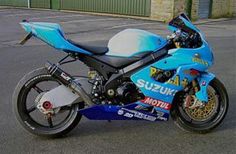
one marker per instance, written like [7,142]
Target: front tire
[35,122]
[202,124]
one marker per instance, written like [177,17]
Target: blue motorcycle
[138,76]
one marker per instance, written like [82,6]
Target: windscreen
[183,23]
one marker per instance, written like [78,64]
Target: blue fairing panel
[130,42]
[52,34]
[204,81]
[114,112]
[181,60]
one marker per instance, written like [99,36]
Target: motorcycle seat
[96,50]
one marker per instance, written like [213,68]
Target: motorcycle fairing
[115,112]
[52,34]
[131,42]
[182,60]
[204,81]
[187,23]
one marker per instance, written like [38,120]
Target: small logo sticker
[203,83]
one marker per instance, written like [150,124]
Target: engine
[122,92]
[127,92]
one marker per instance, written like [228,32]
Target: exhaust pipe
[68,81]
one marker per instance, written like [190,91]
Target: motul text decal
[156,103]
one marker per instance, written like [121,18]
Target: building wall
[194,11]
[166,9]
[220,8]
[233,7]
[162,9]
[180,6]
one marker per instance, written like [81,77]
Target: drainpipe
[28,3]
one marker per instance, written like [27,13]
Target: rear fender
[204,79]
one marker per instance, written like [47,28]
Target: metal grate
[20,3]
[40,4]
[204,8]
[127,7]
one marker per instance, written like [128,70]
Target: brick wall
[165,10]
[194,11]
[162,9]
[221,8]
[233,7]
[180,6]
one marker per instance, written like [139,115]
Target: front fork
[203,80]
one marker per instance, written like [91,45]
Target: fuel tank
[130,42]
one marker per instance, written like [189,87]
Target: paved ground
[101,136]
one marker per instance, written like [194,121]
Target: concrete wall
[166,9]
[162,9]
[233,7]
[221,8]
[194,11]
[180,6]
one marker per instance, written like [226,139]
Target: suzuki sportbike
[138,76]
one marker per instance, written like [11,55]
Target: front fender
[204,79]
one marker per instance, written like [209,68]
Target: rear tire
[24,116]
[185,122]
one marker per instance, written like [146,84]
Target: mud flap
[204,80]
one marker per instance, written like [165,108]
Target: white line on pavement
[65,16]
[23,14]
[88,20]
[10,12]
[5,10]
[128,25]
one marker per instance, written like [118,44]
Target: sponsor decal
[200,61]
[132,113]
[65,76]
[203,83]
[184,82]
[159,113]
[120,112]
[31,127]
[155,88]
[135,114]
[154,71]
[156,103]
[174,81]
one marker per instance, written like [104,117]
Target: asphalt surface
[102,136]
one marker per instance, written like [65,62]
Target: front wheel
[29,89]
[204,119]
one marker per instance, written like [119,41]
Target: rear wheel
[202,119]
[29,89]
